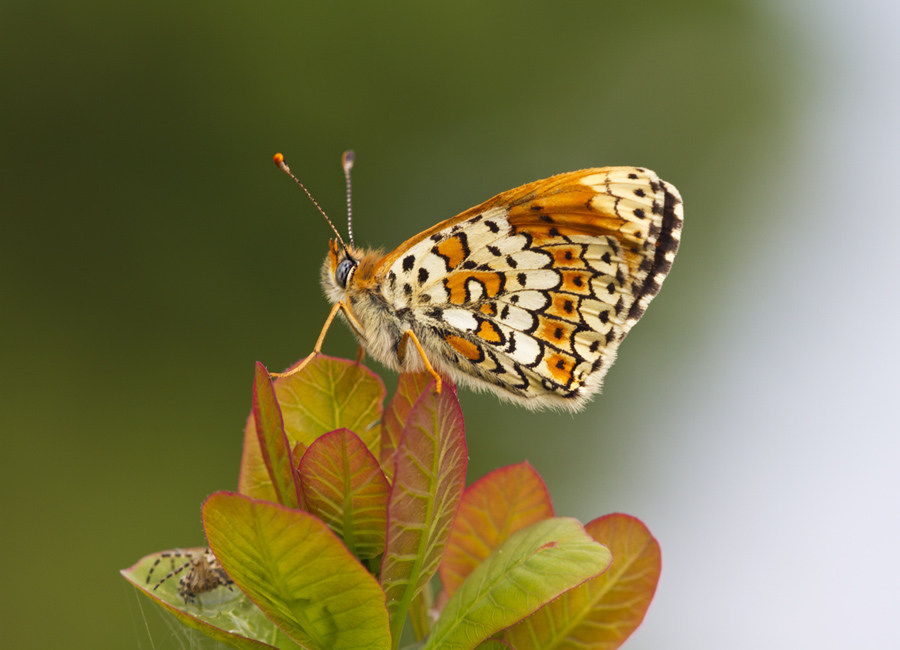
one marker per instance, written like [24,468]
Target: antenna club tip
[279,162]
[348,158]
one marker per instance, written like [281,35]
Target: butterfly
[527,295]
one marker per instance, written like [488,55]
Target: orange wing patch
[454,250]
[566,257]
[488,308]
[458,292]
[465,347]
[576,282]
[555,332]
[487,331]
[564,306]
[560,367]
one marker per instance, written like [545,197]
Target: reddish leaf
[602,613]
[274,445]
[327,394]
[429,477]
[344,487]
[409,388]
[493,508]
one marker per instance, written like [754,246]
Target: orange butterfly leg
[410,335]
[318,348]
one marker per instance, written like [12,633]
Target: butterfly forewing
[530,293]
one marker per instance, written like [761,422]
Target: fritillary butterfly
[527,295]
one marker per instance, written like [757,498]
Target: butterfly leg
[339,305]
[401,352]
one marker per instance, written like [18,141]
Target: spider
[204,572]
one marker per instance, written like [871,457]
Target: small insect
[204,573]
[527,295]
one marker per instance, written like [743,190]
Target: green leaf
[429,478]
[274,446]
[493,508]
[226,616]
[494,644]
[295,569]
[602,613]
[344,486]
[534,566]
[410,387]
[420,612]
[327,394]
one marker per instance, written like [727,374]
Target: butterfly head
[348,271]
[341,264]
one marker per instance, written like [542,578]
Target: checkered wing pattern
[533,290]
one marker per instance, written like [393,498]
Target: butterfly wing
[531,292]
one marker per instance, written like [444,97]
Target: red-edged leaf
[531,568]
[298,572]
[603,612]
[219,613]
[344,487]
[273,442]
[327,394]
[493,508]
[409,388]
[429,478]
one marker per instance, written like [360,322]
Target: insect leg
[339,305]
[401,349]
[172,574]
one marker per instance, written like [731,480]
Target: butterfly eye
[343,272]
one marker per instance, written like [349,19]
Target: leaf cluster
[347,512]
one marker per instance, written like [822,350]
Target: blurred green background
[150,253]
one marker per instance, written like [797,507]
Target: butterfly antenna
[279,162]
[347,161]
